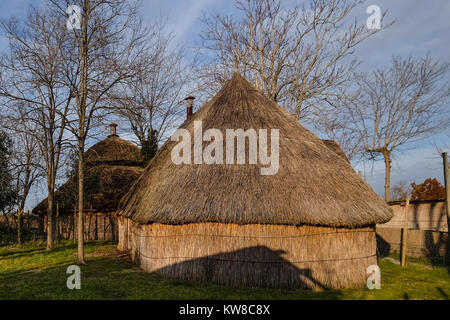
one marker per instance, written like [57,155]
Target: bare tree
[441,146]
[7,192]
[401,190]
[397,106]
[31,88]
[336,129]
[150,100]
[293,55]
[101,54]
[26,167]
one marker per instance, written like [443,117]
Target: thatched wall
[252,255]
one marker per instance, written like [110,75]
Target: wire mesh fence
[419,229]
[419,243]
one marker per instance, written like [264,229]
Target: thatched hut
[112,166]
[309,225]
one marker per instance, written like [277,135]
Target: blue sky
[421,27]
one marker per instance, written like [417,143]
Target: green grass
[30,272]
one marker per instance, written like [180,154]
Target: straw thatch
[312,186]
[114,150]
[105,185]
[336,148]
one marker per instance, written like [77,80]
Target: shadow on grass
[101,279]
[17,252]
[111,277]
[442,293]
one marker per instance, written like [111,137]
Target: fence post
[447,202]
[405,233]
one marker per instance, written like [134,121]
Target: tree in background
[149,147]
[430,189]
[34,96]
[293,54]
[102,53]
[396,106]
[7,191]
[26,167]
[150,101]
[401,191]
[69,194]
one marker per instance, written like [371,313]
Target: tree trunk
[57,223]
[387,177]
[50,220]
[19,226]
[80,256]
[73,222]
[6,220]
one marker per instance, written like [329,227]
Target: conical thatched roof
[312,185]
[113,150]
[104,186]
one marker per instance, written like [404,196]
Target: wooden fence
[97,226]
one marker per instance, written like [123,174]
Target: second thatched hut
[111,166]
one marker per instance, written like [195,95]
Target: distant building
[112,166]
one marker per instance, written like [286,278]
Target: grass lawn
[30,272]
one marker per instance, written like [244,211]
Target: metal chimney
[190,105]
[113,129]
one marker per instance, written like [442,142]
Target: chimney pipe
[190,105]
[113,129]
